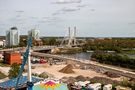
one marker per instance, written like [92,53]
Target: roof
[12,52]
[12,82]
[50,85]
[12,28]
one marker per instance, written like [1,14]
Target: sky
[93,18]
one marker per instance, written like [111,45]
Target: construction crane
[26,59]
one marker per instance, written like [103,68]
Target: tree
[23,41]
[50,41]
[14,70]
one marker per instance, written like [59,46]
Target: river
[87,55]
[81,55]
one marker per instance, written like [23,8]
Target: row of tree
[45,41]
[114,59]
[114,44]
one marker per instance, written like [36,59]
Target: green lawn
[3,64]
[2,76]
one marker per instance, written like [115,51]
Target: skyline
[93,18]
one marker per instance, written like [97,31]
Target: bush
[14,70]
[2,76]
[114,59]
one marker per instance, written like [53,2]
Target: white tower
[70,40]
[35,33]
[12,37]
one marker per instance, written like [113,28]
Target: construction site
[43,71]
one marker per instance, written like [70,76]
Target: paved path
[4,70]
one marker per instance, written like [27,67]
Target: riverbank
[66,50]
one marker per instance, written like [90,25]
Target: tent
[50,85]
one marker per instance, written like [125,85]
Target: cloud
[92,10]
[65,10]
[131,23]
[55,13]
[83,5]
[58,12]
[18,16]
[70,9]
[67,1]
[20,11]
[50,20]
[33,17]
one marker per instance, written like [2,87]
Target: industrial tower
[70,40]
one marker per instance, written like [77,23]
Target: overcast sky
[93,18]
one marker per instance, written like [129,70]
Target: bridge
[35,48]
[38,48]
[88,63]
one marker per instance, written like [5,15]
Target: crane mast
[26,58]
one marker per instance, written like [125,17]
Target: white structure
[81,83]
[107,87]
[29,67]
[2,43]
[96,86]
[35,33]
[12,37]
[70,40]
[1,57]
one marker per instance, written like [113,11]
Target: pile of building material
[112,75]
[122,88]
[81,78]
[104,80]
[68,69]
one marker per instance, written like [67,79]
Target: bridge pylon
[70,40]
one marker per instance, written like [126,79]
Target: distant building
[12,57]
[35,33]
[1,56]
[2,43]
[12,37]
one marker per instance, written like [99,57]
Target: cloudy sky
[93,18]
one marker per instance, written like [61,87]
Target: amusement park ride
[26,59]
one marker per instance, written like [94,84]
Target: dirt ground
[54,70]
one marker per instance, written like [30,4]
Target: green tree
[23,41]
[125,82]
[50,41]
[14,70]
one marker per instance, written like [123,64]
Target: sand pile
[68,69]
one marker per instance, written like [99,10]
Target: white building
[96,86]
[107,87]
[2,43]
[12,37]
[35,33]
